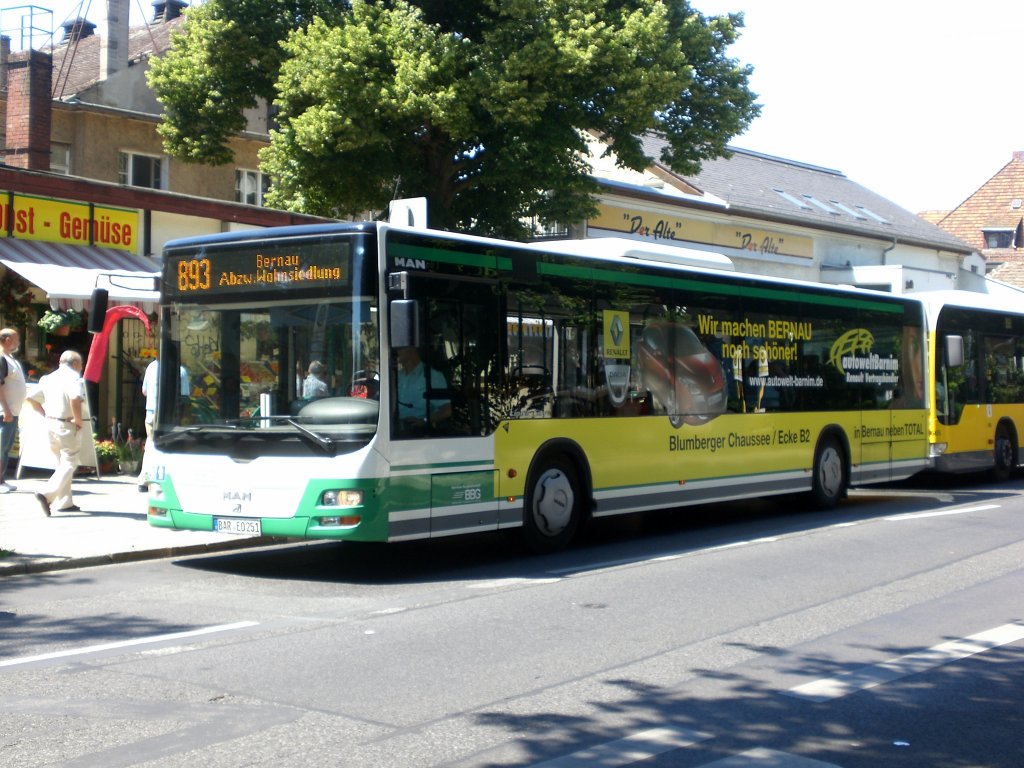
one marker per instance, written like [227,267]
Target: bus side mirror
[954,351]
[98,309]
[404,319]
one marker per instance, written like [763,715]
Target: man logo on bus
[850,343]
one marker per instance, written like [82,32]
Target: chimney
[114,52]
[5,54]
[1018,155]
[76,30]
[28,110]
[165,10]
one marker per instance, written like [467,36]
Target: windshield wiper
[169,438]
[322,441]
[328,444]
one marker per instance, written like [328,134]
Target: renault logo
[616,330]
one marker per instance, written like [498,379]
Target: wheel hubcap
[553,502]
[831,472]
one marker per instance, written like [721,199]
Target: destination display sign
[240,270]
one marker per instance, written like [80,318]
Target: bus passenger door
[461,327]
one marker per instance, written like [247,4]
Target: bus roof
[297,230]
[632,249]
[998,302]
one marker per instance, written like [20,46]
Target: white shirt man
[12,396]
[59,399]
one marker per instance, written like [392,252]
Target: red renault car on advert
[681,373]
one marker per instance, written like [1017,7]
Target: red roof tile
[998,204]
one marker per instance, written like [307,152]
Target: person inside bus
[315,384]
[412,391]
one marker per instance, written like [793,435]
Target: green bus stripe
[481,466]
[727,289]
[444,255]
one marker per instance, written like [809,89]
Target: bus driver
[412,390]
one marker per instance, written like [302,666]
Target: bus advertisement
[380,383]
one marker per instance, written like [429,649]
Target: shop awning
[69,273]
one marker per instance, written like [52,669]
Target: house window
[250,186]
[791,199]
[848,210]
[141,170]
[998,238]
[873,215]
[60,158]
[825,208]
[551,229]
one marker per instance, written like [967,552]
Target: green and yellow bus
[976,381]
[466,384]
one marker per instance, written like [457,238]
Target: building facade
[784,218]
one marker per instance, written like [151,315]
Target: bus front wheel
[829,483]
[553,506]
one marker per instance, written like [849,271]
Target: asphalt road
[889,632]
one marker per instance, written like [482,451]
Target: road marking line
[903,666]
[639,746]
[512,581]
[941,513]
[128,643]
[768,758]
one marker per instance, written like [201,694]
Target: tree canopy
[482,106]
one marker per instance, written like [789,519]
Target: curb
[12,567]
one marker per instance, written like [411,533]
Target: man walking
[59,400]
[12,396]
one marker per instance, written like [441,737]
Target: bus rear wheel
[1005,454]
[553,506]
[829,481]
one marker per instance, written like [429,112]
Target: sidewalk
[110,528]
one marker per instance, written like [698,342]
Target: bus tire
[553,505]
[829,481]
[1005,453]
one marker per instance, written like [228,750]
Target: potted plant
[129,454]
[60,322]
[106,455]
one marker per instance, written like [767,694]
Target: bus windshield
[267,359]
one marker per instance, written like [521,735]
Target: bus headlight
[341,498]
[345,521]
[936,449]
